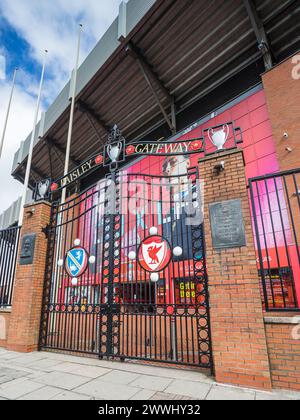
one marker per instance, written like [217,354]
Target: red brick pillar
[237,324]
[23,333]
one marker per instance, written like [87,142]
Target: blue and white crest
[76,261]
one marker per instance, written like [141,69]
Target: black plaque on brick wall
[27,249]
[227,224]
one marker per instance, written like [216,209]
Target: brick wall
[23,333]
[282,92]
[238,332]
[284,354]
[283,100]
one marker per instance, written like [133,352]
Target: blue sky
[16,48]
[27,28]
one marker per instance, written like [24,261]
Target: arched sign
[116,150]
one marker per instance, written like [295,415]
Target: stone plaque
[27,249]
[227,225]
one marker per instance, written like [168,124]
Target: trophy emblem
[114,151]
[218,137]
[43,188]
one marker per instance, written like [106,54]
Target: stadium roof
[158,59]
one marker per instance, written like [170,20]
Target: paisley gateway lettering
[163,148]
[77,173]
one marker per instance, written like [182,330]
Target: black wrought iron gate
[117,307]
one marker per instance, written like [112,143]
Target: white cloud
[53,25]
[20,121]
[2,67]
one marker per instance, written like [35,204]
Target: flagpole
[29,159]
[8,112]
[69,139]
[60,230]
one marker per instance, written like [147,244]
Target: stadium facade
[179,240]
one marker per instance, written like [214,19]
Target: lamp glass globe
[74,281]
[132,255]
[60,263]
[153,231]
[154,277]
[92,259]
[177,251]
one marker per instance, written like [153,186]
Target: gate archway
[117,308]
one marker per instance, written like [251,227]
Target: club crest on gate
[76,261]
[154,253]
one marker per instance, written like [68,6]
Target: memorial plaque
[27,249]
[227,225]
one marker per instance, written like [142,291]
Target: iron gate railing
[9,241]
[114,309]
[275,203]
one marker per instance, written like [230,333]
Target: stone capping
[294,320]
[36,203]
[5,310]
[223,153]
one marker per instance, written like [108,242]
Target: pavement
[53,376]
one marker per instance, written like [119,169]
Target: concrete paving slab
[36,374]
[223,393]
[143,395]
[263,396]
[154,383]
[70,358]
[4,379]
[44,365]
[107,391]
[191,389]
[81,370]
[10,355]
[171,373]
[62,380]
[71,396]
[278,395]
[28,359]
[15,367]
[168,372]
[42,394]
[119,377]
[17,388]
[65,366]
[12,373]
[90,371]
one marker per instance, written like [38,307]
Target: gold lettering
[89,164]
[186,146]
[139,148]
